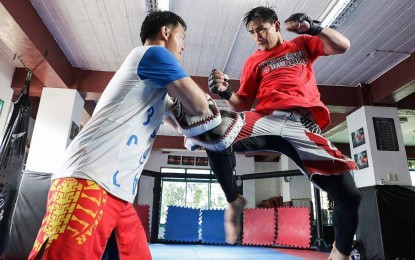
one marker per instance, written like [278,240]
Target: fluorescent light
[337,12]
[159,5]
[334,12]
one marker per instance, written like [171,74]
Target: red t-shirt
[283,78]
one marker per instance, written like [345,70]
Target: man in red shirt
[284,113]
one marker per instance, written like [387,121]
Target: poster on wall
[358,138]
[174,159]
[361,160]
[188,160]
[385,134]
[202,161]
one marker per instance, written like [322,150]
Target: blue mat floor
[190,252]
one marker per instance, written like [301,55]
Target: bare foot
[336,255]
[233,215]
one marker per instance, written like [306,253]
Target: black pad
[29,212]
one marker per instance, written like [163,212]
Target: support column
[57,123]
[376,145]
[386,211]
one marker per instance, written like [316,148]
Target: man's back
[114,145]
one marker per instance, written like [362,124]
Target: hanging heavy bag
[12,155]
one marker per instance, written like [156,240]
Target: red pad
[294,227]
[259,227]
[143,212]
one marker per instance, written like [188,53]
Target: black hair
[260,13]
[155,20]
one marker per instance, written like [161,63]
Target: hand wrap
[315,27]
[215,89]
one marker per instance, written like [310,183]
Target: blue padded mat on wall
[213,230]
[182,224]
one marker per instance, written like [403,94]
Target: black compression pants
[340,188]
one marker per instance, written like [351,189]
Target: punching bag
[12,155]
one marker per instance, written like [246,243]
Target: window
[196,192]
[411,165]
[172,170]
[198,171]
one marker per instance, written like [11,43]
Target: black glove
[214,89]
[315,27]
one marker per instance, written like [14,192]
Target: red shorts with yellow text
[79,220]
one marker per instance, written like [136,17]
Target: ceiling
[98,34]
[87,40]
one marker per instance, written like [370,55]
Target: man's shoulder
[152,53]
[251,61]
[254,56]
[151,48]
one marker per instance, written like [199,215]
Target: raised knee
[349,198]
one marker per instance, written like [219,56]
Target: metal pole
[319,222]
[156,210]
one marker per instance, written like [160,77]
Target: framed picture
[361,160]
[174,159]
[202,161]
[358,138]
[188,160]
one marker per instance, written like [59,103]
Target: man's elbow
[343,47]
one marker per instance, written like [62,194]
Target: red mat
[294,227]
[259,227]
[143,212]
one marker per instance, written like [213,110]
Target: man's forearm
[333,41]
[239,104]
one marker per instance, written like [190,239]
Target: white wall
[6,75]
[266,166]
